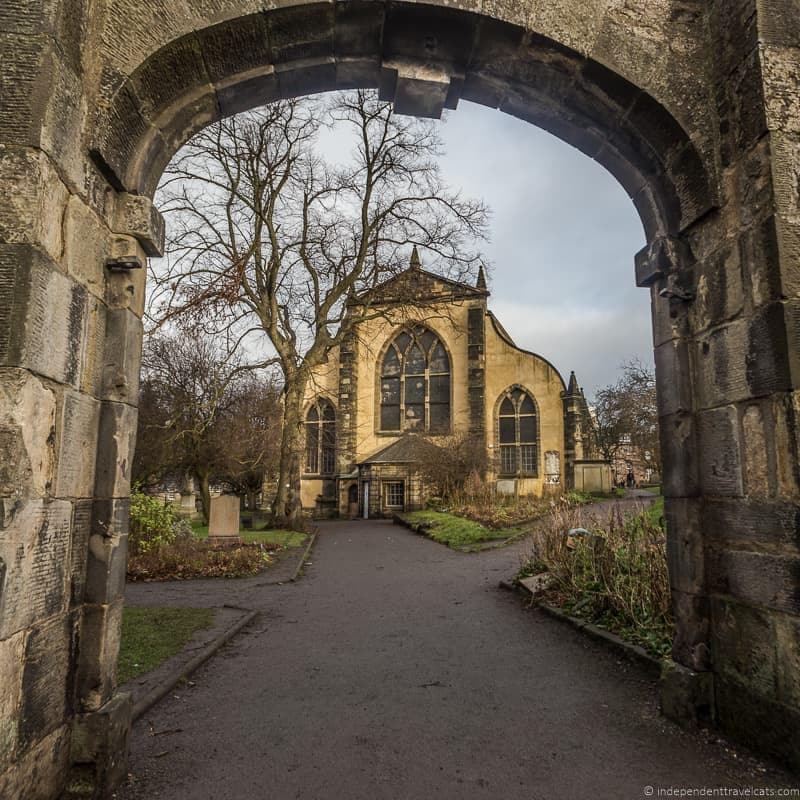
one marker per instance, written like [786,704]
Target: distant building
[440,363]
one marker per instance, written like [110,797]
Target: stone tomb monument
[223,524]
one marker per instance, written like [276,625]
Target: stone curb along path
[184,670]
[631,651]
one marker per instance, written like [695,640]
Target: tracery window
[518,425]
[415,383]
[321,438]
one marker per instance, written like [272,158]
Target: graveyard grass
[152,635]
[283,538]
[456,532]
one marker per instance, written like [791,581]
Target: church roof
[406,450]
[415,283]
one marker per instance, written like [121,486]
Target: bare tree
[448,463]
[250,435]
[189,386]
[268,238]
[626,415]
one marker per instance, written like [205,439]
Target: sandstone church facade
[440,365]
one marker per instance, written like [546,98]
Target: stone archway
[689,104]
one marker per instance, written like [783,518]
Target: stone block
[111,517]
[136,216]
[720,292]
[764,525]
[86,246]
[126,289]
[756,466]
[235,48]
[306,77]
[721,367]
[762,579]
[760,722]
[685,545]
[38,774]
[27,428]
[12,660]
[743,646]
[43,315]
[301,33]
[674,373]
[100,743]
[34,547]
[690,645]
[123,355]
[224,518]
[105,570]
[99,650]
[115,444]
[687,696]
[785,416]
[79,546]
[787,640]
[168,75]
[90,363]
[720,461]
[773,365]
[679,455]
[80,415]
[33,203]
[49,651]
[248,90]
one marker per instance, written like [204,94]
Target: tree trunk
[287,505]
[205,493]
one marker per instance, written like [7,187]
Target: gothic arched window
[321,438]
[518,425]
[415,383]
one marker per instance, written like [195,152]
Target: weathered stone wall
[691,105]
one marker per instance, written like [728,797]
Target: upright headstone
[223,525]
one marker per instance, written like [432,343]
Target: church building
[439,364]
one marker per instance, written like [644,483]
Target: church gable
[416,285]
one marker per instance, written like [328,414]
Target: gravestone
[223,524]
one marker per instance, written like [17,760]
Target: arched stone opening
[677,104]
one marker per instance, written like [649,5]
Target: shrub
[153,524]
[617,576]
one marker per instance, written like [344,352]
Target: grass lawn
[152,635]
[457,532]
[283,538]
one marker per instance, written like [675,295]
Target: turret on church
[433,360]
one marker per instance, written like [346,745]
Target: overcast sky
[564,234]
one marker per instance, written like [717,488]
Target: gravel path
[397,669]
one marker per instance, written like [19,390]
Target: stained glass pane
[390,418]
[527,406]
[440,389]
[312,448]
[390,391]
[440,417]
[415,361]
[507,408]
[328,413]
[439,359]
[391,363]
[508,460]
[402,341]
[415,390]
[528,458]
[426,340]
[328,434]
[508,432]
[527,429]
[415,416]
[312,416]
[328,460]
